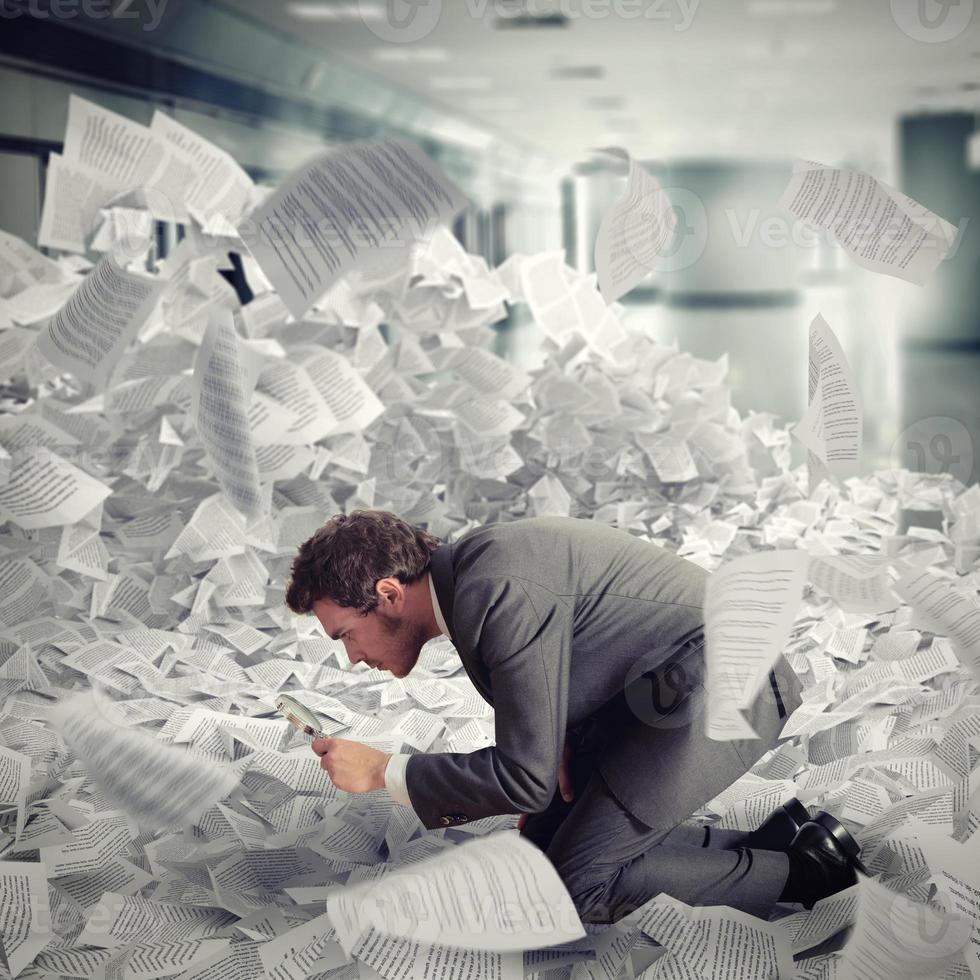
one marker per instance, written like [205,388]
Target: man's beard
[408,641]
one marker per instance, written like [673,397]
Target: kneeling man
[589,644]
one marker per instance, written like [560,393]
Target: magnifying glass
[299,716]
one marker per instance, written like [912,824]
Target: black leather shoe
[819,866]
[779,828]
[848,843]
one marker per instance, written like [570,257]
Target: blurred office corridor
[512,98]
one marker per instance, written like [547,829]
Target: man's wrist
[380,778]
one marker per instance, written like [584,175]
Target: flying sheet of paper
[92,330]
[859,583]
[881,228]
[749,607]
[220,191]
[346,208]
[130,156]
[499,893]
[73,196]
[898,939]
[46,491]
[827,918]
[40,301]
[220,413]
[954,869]
[22,266]
[25,926]
[352,403]
[831,429]
[158,785]
[395,958]
[15,777]
[945,611]
[713,942]
[633,232]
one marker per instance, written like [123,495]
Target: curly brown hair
[348,555]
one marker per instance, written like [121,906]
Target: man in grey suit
[588,642]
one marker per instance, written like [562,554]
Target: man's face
[384,640]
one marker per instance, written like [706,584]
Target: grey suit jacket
[557,621]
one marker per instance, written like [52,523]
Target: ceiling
[822,79]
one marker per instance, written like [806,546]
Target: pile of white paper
[165,450]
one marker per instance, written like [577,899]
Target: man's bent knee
[596,902]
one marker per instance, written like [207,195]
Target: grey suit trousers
[610,861]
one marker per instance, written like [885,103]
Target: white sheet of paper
[130,156]
[343,208]
[157,784]
[220,191]
[750,605]
[832,427]
[712,942]
[220,413]
[945,611]
[92,330]
[633,232]
[881,228]
[25,926]
[73,196]
[46,491]
[898,939]
[499,893]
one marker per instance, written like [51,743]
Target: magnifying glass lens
[298,715]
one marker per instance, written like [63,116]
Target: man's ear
[390,591]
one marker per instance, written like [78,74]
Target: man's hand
[564,781]
[351,766]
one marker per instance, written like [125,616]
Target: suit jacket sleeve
[525,643]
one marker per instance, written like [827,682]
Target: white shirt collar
[440,622]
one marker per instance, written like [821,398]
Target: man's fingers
[320,745]
[565,785]
[564,780]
